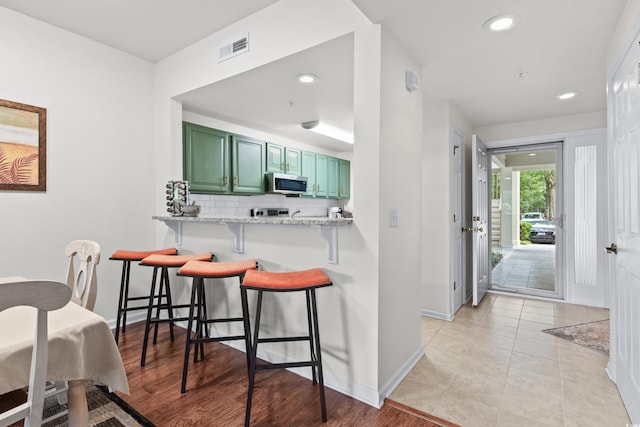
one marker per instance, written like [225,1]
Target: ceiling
[559,44]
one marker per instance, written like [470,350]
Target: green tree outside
[537,191]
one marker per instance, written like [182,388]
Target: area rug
[105,410]
[594,335]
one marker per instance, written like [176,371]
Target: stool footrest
[225,320]
[216,339]
[285,339]
[287,365]
[163,320]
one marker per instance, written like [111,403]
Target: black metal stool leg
[312,351]
[187,349]
[323,403]
[168,300]
[149,311]
[120,300]
[253,360]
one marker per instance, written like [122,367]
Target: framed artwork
[23,147]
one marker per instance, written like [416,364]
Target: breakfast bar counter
[328,227]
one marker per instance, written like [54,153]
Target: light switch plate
[394,217]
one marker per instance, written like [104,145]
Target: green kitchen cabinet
[248,164]
[308,169]
[333,177]
[221,163]
[344,179]
[205,159]
[283,159]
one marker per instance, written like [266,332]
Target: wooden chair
[44,295]
[83,256]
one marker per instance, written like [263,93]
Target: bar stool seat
[127,256]
[201,270]
[264,281]
[163,263]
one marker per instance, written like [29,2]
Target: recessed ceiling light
[566,95]
[306,78]
[532,154]
[500,23]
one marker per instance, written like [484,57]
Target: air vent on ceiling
[236,47]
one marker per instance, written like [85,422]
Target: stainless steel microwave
[282,183]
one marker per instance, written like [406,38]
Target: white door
[457,150]
[624,145]
[480,172]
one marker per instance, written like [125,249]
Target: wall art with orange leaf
[23,147]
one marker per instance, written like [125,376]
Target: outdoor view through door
[525,219]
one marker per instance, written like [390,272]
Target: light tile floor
[492,366]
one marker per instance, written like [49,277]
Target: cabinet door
[205,154]
[248,165]
[344,182]
[293,161]
[333,177]
[308,169]
[275,158]
[322,180]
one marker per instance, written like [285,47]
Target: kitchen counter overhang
[328,228]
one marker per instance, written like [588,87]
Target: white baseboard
[399,376]
[436,315]
[131,319]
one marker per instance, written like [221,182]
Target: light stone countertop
[278,220]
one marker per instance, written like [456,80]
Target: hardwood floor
[217,387]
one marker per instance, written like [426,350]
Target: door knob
[613,249]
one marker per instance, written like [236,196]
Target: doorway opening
[526,219]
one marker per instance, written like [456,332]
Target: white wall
[100,155]
[553,125]
[436,239]
[348,311]
[628,25]
[400,187]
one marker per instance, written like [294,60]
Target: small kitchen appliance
[259,212]
[177,196]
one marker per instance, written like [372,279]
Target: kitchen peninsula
[328,228]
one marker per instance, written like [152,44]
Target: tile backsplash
[232,206]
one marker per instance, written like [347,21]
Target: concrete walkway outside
[527,266]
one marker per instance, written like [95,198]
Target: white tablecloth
[81,347]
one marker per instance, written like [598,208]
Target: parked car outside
[530,216]
[542,231]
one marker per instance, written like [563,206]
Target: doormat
[593,335]
[105,410]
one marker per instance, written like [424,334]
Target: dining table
[81,349]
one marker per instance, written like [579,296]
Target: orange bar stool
[163,263]
[201,270]
[263,281]
[126,257]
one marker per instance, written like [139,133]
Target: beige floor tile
[465,412]
[510,417]
[480,387]
[418,395]
[533,405]
[548,320]
[533,326]
[493,366]
[550,351]
[539,365]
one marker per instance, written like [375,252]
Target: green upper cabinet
[333,177]
[322,178]
[293,161]
[218,162]
[248,165]
[205,159]
[344,188]
[308,169]
[283,159]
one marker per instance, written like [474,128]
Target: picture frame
[23,147]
